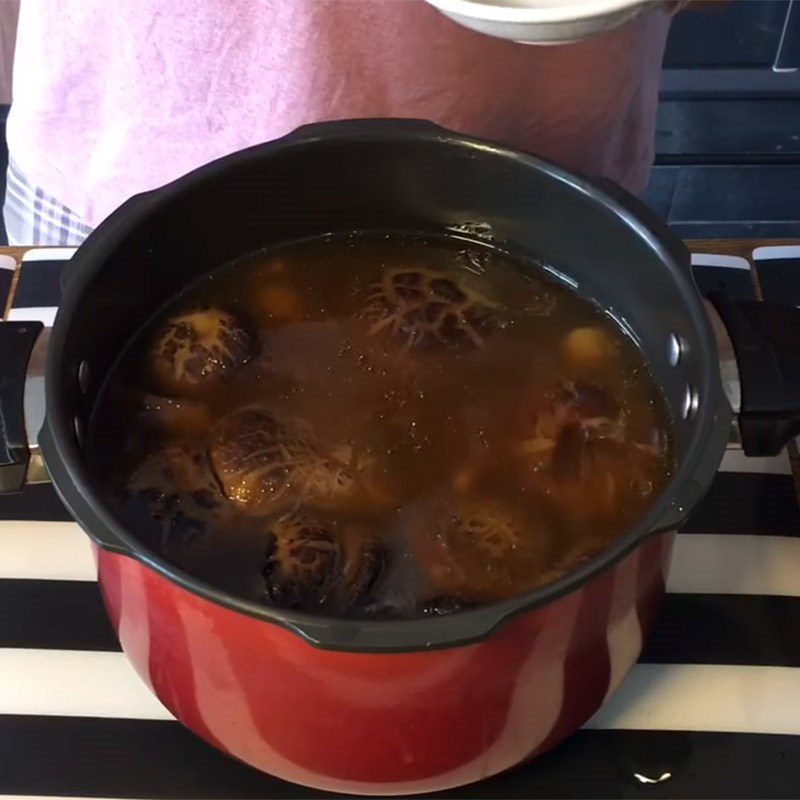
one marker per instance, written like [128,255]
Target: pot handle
[765,339]
[20,456]
[766,342]
[16,345]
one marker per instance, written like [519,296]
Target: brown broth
[396,466]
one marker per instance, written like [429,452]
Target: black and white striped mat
[711,710]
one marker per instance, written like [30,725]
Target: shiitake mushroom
[175,488]
[479,550]
[197,348]
[425,309]
[581,459]
[319,565]
[267,462]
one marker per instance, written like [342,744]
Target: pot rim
[698,464]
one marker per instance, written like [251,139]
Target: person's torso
[115,98]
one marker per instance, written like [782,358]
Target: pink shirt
[112,98]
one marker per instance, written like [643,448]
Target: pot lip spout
[691,479]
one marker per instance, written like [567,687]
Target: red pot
[393,706]
[378,723]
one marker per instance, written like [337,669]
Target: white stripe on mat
[43,314]
[45,551]
[714,563]
[776,251]
[49,254]
[735,460]
[705,697]
[74,683]
[693,697]
[717,260]
[54,797]
[705,563]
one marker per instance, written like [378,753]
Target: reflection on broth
[366,425]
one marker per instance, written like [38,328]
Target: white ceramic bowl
[541,21]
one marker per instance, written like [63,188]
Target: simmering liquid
[380,425]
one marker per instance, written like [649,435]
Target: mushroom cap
[583,461]
[479,550]
[422,309]
[175,487]
[267,463]
[195,349]
[315,565]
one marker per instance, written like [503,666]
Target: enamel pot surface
[394,707]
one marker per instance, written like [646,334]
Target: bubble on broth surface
[446,604]
[177,416]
